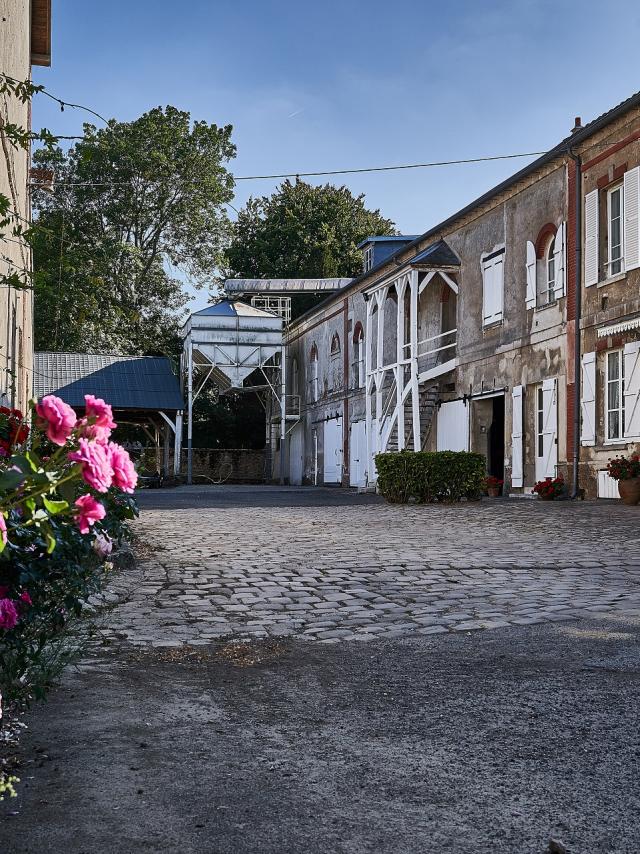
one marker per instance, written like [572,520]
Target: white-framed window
[615,230]
[614,396]
[550,271]
[492,287]
[314,383]
[539,422]
[367,258]
[358,359]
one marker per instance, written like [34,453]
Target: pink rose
[88,511]
[125,476]
[3,529]
[98,421]
[96,465]
[25,599]
[57,418]
[8,614]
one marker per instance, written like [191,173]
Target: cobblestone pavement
[330,565]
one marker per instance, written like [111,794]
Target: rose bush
[64,503]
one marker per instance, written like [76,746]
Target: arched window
[335,344]
[550,270]
[313,380]
[295,378]
[359,375]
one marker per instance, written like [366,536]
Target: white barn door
[547,430]
[358,454]
[453,426]
[333,450]
[296,462]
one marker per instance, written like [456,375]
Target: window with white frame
[367,258]
[615,231]
[614,396]
[358,359]
[314,382]
[550,271]
[492,287]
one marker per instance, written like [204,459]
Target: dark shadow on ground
[229,495]
[465,744]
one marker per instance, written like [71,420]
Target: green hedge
[430,476]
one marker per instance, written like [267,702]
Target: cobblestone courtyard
[330,565]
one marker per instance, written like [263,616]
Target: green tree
[302,231]
[137,207]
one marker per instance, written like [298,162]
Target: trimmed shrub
[431,476]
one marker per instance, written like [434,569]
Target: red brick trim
[544,235]
[604,180]
[358,332]
[618,146]
[313,355]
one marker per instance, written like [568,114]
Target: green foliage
[302,231]
[133,202]
[430,476]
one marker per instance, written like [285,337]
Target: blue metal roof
[396,238]
[125,382]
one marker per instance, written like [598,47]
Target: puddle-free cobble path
[329,565]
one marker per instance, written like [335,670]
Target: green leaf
[10,480]
[33,460]
[67,491]
[51,542]
[54,506]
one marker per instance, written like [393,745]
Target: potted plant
[493,485]
[626,470]
[549,488]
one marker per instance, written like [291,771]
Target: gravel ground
[462,743]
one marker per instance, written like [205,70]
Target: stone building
[610,310]
[25,40]
[464,338]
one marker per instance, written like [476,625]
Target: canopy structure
[141,390]
[226,343]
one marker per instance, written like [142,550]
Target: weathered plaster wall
[16,307]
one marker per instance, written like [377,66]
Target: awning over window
[622,326]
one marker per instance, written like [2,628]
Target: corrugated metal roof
[439,254]
[125,382]
[385,238]
[283,286]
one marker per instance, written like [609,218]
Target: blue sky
[334,85]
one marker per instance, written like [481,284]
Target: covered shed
[142,390]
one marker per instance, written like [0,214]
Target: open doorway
[495,439]
[488,432]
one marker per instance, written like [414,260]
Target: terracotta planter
[629,490]
[493,491]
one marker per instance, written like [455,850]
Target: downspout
[577,366]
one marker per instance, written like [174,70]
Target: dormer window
[367,258]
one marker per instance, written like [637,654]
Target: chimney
[577,125]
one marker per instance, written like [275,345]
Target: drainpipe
[577,367]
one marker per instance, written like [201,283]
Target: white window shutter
[591,238]
[492,289]
[517,468]
[550,426]
[631,207]
[531,275]
[588,401]
[632,390]
[559,256]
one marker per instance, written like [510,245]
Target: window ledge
[549,304]
[495,325]
[612,280]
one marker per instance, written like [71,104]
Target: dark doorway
[495,442]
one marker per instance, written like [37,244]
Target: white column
[177,444]
[283,411]
[400,287]
[190,413]
[368,382]
[413,333]
[381,299]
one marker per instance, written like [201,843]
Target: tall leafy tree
[302,231]
[137,208]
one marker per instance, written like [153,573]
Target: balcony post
[413,332]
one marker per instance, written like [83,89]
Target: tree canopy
[137,208]
[303,231]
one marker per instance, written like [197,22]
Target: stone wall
[224,465]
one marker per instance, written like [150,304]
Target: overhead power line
[326,172]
